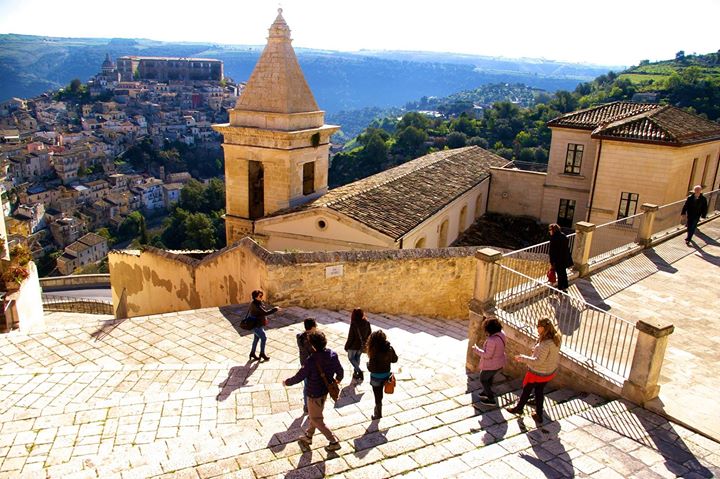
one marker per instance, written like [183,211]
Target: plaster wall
[516,192]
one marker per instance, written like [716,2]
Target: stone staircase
[441,435]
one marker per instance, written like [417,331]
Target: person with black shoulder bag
[324,373]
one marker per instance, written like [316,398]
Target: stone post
[642,383]
[483,303]
[646,226]
[583,243]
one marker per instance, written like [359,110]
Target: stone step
[428,437]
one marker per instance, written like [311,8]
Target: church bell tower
[276,144]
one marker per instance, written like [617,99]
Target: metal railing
[668,219]
[598,339]
[534,260]
[614,237]
[69,304]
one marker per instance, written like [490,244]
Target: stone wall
[423,282]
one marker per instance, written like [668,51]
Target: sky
[608,32]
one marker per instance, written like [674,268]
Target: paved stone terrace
[680,284]
[174,396]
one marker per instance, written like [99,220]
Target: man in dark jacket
[560,258]
[305,350]
[325,360]
[695,207]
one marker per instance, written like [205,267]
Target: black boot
[264,358]
[253,357]
[378,412]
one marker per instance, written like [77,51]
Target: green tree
[143,231]
[456,139]
[130,227]
[75,86]
[199,232]
[410,142]
[214,195]
[192,197]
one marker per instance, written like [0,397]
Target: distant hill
[30,65]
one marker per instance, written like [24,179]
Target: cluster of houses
[58,157]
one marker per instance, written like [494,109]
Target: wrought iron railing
[534,260]
[76,305]
[614,237]
[596,338]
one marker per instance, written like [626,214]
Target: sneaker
[333,446]
[305,439]
[488,402]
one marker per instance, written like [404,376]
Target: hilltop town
[65,154]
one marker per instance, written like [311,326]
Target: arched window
[479,206]
[442,240]
[420,243]
[463,219]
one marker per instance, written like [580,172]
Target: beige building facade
[606,161]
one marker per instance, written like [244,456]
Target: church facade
[276,149]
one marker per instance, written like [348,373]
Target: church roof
[277,83]
[396,201]
[641,122]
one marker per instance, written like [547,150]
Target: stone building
[169,68]
[606,161]
[276,173]
[88,249]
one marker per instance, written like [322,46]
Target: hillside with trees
[520,133]
[30,65]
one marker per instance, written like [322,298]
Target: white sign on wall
[334,271]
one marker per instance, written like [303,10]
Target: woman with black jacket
[357,337]
[260,313]
[380,354]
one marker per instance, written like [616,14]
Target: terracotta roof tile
[397,200]
[643,122]
[665,124]
[591,118]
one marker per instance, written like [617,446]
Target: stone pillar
[583,243]
[483,303]
[645,231]
[642,383]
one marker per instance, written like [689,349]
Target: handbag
[551,276]
[390,384]
[332,386]
[249,322]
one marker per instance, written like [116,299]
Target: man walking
[322,367]
[304,351]
[695,207]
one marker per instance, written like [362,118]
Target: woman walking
[492,358]
[260,313]
[542,365]
[357,337]
[560,257]
[380,354]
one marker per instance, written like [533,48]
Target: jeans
[354,358]
[486,379]
[539,396]
[315,413]
[691,227]
[378,388]
[259,336]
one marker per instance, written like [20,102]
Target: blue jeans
[259,336]
[354,357]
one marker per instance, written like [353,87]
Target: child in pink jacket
[492,358]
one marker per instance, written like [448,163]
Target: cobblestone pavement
[174,395]
[679,284]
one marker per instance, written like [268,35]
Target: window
[703,179]
[308,178]
[628,205]
[479,206]
[463,218]
[420,243]
[566,213]
[573,159]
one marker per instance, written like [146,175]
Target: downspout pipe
[592,191]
